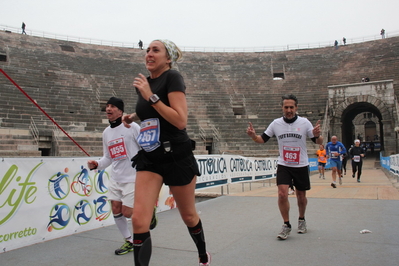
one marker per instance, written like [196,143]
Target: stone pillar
[335,128]
[390,140]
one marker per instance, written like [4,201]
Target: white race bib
[148,138]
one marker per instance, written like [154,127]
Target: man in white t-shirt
[119,146]
[291,132]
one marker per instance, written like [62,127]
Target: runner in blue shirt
[334,151]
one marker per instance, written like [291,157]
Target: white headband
[172,49]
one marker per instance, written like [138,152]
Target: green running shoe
[125,248]
[154,220]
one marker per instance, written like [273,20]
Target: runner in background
[119,146]
[334,151]
[322,160]
[291,132]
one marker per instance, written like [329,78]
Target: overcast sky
[206,23]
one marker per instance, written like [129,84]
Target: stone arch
[367,126]
[346,111]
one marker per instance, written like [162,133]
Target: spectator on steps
[382,34]
[23,28]
[344,40]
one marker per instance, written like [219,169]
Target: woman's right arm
[128,119]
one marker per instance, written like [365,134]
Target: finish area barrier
[46,198]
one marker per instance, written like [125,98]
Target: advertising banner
[46,198]
[391,163]
[217,170]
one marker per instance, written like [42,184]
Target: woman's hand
[128,119]
[141,83]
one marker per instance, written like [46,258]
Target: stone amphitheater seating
[17,143]
[72,81]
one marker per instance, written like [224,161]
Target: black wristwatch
[153,99]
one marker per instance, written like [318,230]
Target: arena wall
[71,81]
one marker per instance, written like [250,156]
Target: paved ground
[374,185]
[241,229]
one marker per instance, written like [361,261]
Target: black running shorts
[177,167]
[297,176]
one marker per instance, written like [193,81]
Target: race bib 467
[149,134]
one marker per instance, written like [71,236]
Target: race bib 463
[291,154]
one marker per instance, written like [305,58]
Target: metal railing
[34,130]
[55,139]
[200,49]
[56,133]
[202,133]
[326,123]
[215,132]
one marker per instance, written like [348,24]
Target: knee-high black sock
[142,249]
[197,234]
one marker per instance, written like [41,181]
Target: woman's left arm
[177,113]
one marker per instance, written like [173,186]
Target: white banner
[47,198]
[217,170]
[393,165]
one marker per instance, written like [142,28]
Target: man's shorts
[322,164]
[336,163]
[122,192]
[177,168]
[297,176]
